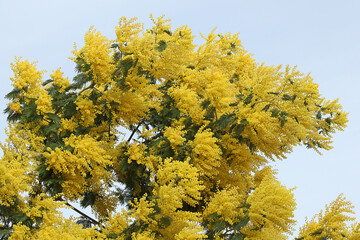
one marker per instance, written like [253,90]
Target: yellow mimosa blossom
[226,204]
[15,106]
[174,136]
[59,80]
[272,204]
[87,111]
[43,103]
[97,53]
[25,74]
[206,153]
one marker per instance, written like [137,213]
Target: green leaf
[13,94]
[239,128]
[248,99]
[4,232]
[47,82]
[219,225]
[225,120]
[318,115]
[112,236]
[328,120]
[274,112]
[242,223]
[282,118]
[165,222]
[29,111]
[162,45]
[88,199]
[51,128]
[205,103]
[266,108]
[286,97]
[169,32]
[54,145]
[54,117]
[215,214]
[317,232]
[237,236]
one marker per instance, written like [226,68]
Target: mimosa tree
[203,122]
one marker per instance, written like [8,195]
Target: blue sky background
[321,37]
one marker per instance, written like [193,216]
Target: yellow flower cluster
[331,223]
[88,157]
[25,74]
[188,102]
[59,80]
[271,204]
[226,204]
[181,176]
[15,106]
[206,153]
[87,111]
[136,153]
[68,124]
[174,135]
[43,103]
[13,177]
[97,53]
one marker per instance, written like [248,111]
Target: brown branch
[81,213]
[132,134]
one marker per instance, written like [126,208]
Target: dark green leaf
[4,232]
[239,128]
[165,222]
[274,112]
[13,94]
[47,82]
[225,120]
[266,107]
[237,236]
[169,32]
[248,99]
[51,128]
[219,225]
[286,97]
[242,223]
[215,214]
[88,199]
[162,45]
[328,120]
[205,103]
[54,117]
[318,115]
[112,236]
[317,232]
[29,111]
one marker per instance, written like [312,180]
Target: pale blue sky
[321,37]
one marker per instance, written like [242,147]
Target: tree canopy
[162,139]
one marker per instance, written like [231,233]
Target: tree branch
[132,134]
[82,214]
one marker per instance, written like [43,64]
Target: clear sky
[321,37]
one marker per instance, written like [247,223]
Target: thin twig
[132,134]
[81,213]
